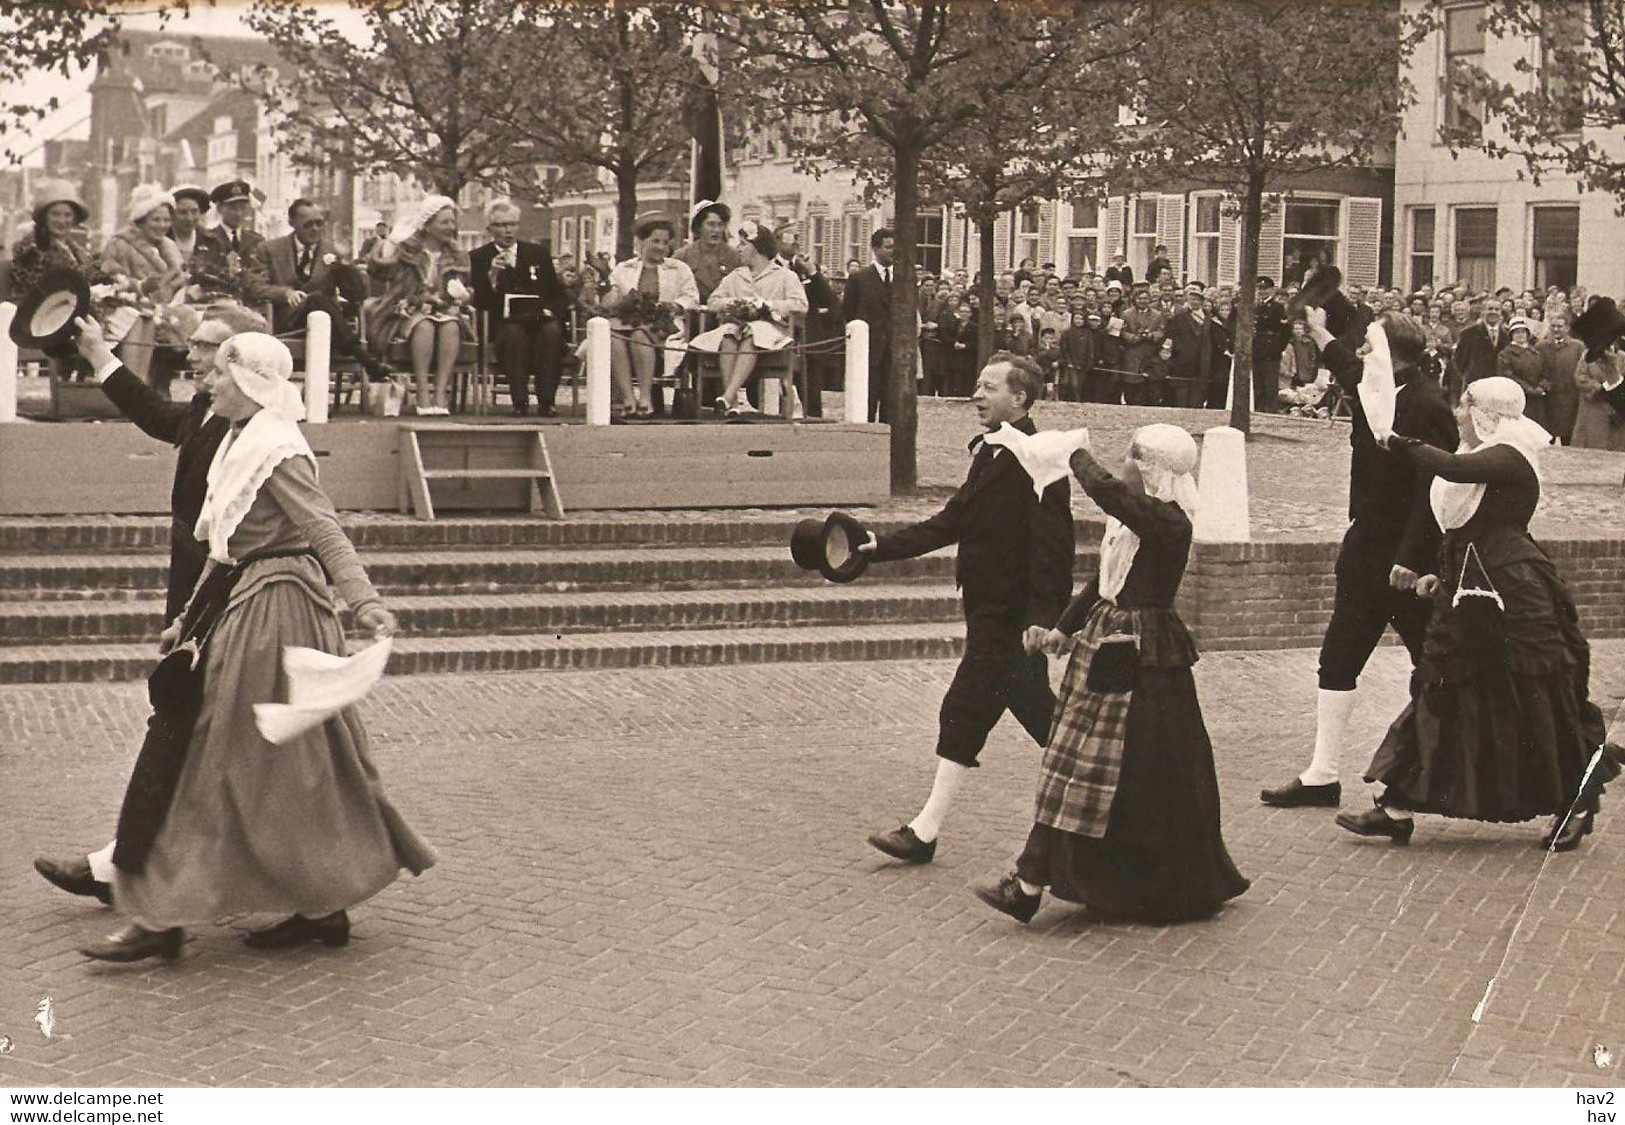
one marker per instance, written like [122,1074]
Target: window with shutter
[1311,236]
[1046,232]
[1205,226]
[928,242]
[1463,52]
[1269,246]
[1114,229]
[1229,250]
[1143,240]
[1362,254]
[1171,231]
[1001,244]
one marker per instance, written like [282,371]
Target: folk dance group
[1126,821]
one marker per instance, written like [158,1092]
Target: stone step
[124,577]
[433,615]
[547,651]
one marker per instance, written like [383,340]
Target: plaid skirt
[1078,779]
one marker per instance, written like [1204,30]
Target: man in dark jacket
[1193,349]
[1480,345]
[1392,539]
[527,333]
[1014,571]
[868,298]
[196,431]
[823,320]
[1271,333]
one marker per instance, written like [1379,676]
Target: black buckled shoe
[1565,835]
[1007,897]
[332,931]
[73,876]
[1375,822]
[137,944]
[901,843]
[1296,795]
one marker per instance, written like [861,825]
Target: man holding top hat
[1599,328]
[1014,570]
[1392,537]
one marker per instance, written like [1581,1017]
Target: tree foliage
[1562,107]
[597,86]
[1245,95]
[402,101]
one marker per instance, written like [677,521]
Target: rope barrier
[817,346]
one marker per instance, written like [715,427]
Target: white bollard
[598,371]
[8,364]
[318,366]
[771,403]
[1221,487]
[857,371]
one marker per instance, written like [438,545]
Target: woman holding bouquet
[646,295]
[756,301]
[426,303]
[149,271]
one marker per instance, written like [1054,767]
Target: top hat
[1323,289]
[192,192]
[231,191]
[45,318]
[1599,326]
[830,546]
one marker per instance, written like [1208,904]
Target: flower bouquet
[743,312]
[641,310]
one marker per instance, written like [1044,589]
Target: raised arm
[1155,522]
[1495,464]
[924,537]
[153,413]
[1419,543]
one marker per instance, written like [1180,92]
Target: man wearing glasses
[301,273]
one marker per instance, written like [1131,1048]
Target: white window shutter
[1113,243]
[1046,233]
[1362,240]
[1001,243]
[1229,250]
[1171,231]
[1269,245]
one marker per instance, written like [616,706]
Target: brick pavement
[659,877]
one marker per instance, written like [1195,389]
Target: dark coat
[1193,346]
[213,266]
[534,274]
[272,274]
[1616,399]
[869,299]
[1015,550]
[1272,331]
[1387,496]
[197,434]
[1475,355]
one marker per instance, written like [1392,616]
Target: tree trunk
[986,287]
[1252,213]
[626,209]
[902,402]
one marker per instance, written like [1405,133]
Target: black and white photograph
[552,550]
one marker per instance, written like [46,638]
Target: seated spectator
[301,273]
[664,287]
[144,257]
[52,241]
[760,286]
[527,334]
[219,264]
[426,303]
[708,255]
[191,204]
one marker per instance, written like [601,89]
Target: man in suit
[1392,539]
[1193,348]
[1014,571]
[528,335]
[220,261]
[1480,345]
[823,318]
[1559,356]
[1144,326]
[301,273]
[1271,333]
[196,432]
[868,298]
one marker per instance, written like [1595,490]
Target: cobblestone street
[660,877]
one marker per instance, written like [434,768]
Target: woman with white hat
[1126,819]
[1520,362]
[145,259]
[1500,726]
[426,304]
[762,286]
[300,829]
[51,241]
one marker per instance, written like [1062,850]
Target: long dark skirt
[1502,735]
[1162,858]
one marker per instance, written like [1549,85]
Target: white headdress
[1496,407]
[260,366]
[1167,456]
[415,220]
[146,199]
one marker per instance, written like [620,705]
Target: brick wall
[1279,595]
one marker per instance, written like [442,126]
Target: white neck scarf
[1045,456]
[1167,455]
[1453,502]
[241,465]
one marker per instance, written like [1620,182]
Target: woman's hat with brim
[194,193]
[1599,326]
[651,221]
[705,207]
[45,318]
[47,192]
[830,546]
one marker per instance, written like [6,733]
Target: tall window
[1475,247]
[1313,229]
[1083,239]
[855,244]
[1143,244]
[588,246]
[1463,49]
[928,243]
[1557,246]
[1205,240]
[817,239]
[1024,234]
[567,236]
[1562,43]
[1422,229]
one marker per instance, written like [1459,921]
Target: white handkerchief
[1377,390]
[320,685]
[1046,455]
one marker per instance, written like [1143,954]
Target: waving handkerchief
[1044,455]
[320,685]
[1377,390]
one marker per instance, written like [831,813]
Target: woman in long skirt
[1127,814]
[221,822]
[1501,726]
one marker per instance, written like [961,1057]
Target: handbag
[1480,611]
[1115,666]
